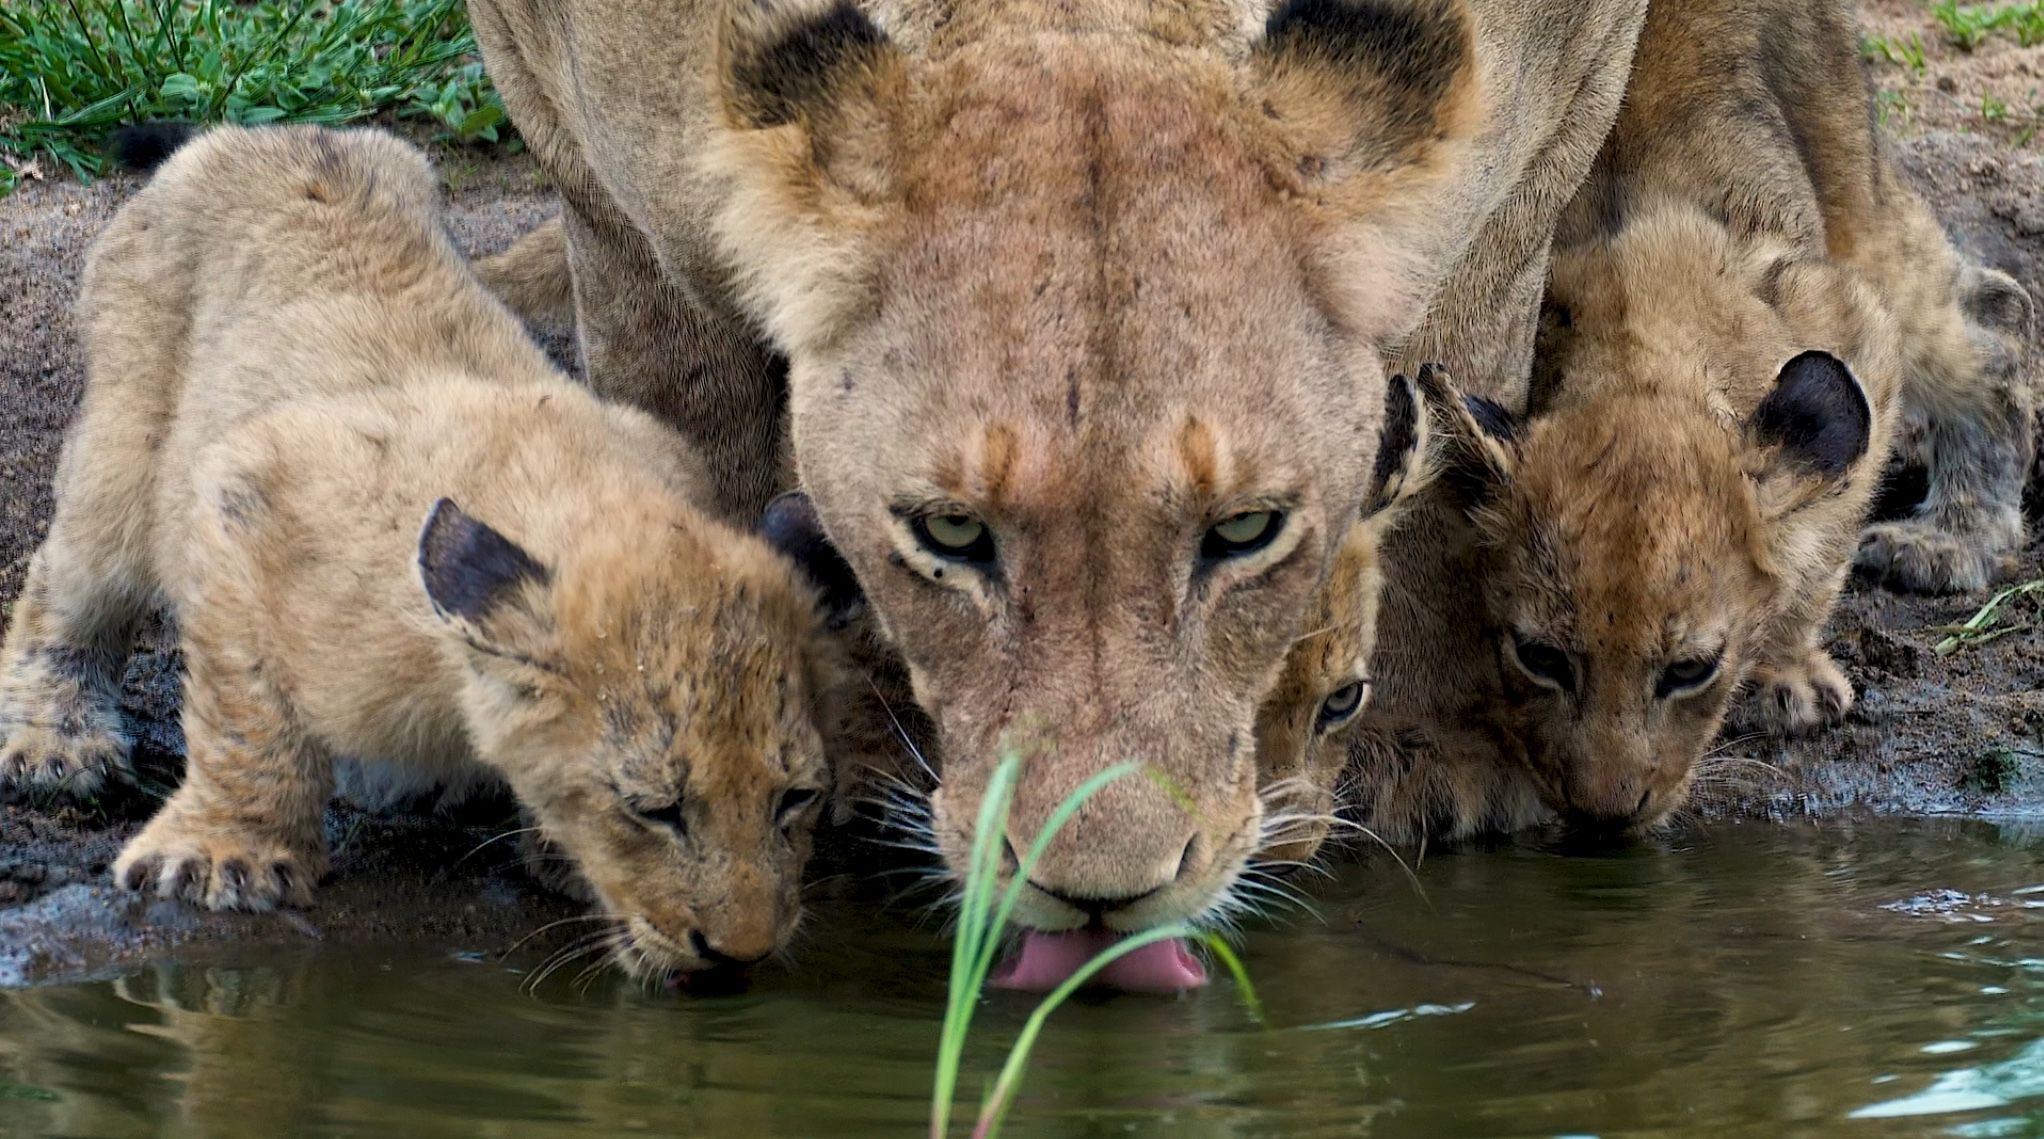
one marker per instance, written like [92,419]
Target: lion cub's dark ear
[1475,437]
[791,526]
[481,583]
[1817,416]
[1404,449]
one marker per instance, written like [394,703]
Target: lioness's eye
[668,816]
[796,801]
[1341,704]
[1545,663]
[1241,534]
[1686,676]
[958,537]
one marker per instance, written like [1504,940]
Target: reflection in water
[1876,979]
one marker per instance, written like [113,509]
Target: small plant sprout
[983,913]
[1982,627]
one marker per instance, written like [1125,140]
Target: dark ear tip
[1491,415]
[791,525]
[465,566]
[1817,412]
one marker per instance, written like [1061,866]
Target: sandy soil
[1963,733]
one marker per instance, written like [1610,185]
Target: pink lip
[1047,960]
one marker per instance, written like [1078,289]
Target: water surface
[1871,979]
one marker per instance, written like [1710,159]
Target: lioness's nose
[1096,904]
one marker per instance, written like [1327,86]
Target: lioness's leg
[1967,415]
[650,342]
[87,589]
[244,830]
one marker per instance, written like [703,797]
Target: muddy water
[1855,980]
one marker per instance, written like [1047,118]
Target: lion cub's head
[653,698]
[1086,308]
[1692,442]
[1325,682]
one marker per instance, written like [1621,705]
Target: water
[1875,979]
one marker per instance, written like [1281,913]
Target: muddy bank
[1931,734]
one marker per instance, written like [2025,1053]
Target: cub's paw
[1923,558]
[1797,699]
[218,868]
[74,754]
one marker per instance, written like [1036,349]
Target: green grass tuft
[983,913]
[1984,625]
[1967,26]
[72,70]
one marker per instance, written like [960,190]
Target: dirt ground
[1955,734]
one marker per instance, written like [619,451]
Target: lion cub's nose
[734,957]
[1614,807]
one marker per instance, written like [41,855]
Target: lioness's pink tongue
[1047,960]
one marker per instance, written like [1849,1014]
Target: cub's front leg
[244,831]
[1794,687]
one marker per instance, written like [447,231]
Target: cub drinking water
[390,530]
[1747,306]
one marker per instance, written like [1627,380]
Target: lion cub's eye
[668,816]
[1241,534]
[796,801]
[1545,663]
[1340,705]
[957,537]
[1686,676]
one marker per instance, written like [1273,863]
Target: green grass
[1984,626]
[984,912]
[72,70]
[1967,26]
[1907,53]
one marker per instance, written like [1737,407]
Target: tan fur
[531,277]
[1097,276]
[1742,212]
[289,364]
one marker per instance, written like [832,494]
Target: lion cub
[1746,307]
[390,530]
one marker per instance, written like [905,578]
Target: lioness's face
[1084,326]
[653,702]
[1090,459]
[1623,577]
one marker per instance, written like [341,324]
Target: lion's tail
[145,146]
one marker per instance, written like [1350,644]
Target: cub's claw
[220,874]
[1796,700]
[1923,558]
[79,762]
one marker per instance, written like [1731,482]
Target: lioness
[1084,308]
[1746,303]
[289,365]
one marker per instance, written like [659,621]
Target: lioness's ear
[483,586]
[1372,104]
[1817,416]
[813,94]
[1475,436]
[791,526]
